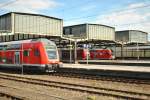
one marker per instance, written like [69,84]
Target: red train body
[82,54]
[38,53]
[101,54]
[93,54]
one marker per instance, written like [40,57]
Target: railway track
[101,77]
[17,97]
[10,96]
[81,88]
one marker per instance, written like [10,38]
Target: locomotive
[35,53]
[101,54]
[93,54]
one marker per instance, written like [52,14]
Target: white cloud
[136,5]
[122,18]
[137,19]
[33,6]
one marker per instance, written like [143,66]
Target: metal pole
[87,54]
[75,51]
[138,57]
[22,58]
[122,50]
[115,54]
[70,52]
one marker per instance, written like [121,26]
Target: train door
[17,57]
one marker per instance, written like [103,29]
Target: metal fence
[143,54]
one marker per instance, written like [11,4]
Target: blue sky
[122,14]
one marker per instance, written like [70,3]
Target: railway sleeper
[10,96]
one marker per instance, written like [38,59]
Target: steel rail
[102,78]
[81,88]
[24,98]
[11,96]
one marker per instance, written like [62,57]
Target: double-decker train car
[34,53]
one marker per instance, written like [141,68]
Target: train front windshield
[51,51]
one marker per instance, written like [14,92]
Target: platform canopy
[17,26]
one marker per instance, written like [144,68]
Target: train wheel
[49,68]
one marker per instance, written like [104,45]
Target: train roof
[15,42]
[43,40]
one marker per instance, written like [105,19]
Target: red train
[93,54]
[35,53]
[101,54]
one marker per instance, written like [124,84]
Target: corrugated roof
[132,30]
[22,13]
[89,24]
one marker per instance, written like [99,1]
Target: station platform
[108,67]
[118,62]
[138,72]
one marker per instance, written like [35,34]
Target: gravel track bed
[36,92]
[4,98]
[97,83]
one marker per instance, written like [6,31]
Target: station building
[131,36]
[134,44]
[130,44]
[20,26]
[90,31]
[87,36]
[94,35]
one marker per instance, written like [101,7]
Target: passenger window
[26,53]
[36,52]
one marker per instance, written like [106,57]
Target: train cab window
[26,53]
[36,52]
